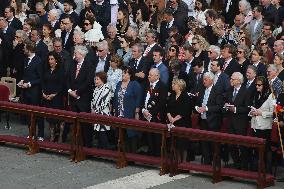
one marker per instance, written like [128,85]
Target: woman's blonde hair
[204,45]
[179,82]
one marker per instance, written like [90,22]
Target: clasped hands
[23,84]
[73,93]
[48,97]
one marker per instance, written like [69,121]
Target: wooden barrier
[217,138]
[122,124]
[31,142]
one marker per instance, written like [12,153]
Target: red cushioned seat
[4,93]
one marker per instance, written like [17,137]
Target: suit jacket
[223,83]
[149,56]
[164,32]
[107,64]
[251,90]
[16,24]
[214,104]
[131,99]
[255,34]
[241,102]
[164,73]
[232,12]
[232,67]
[17,61]
[261,70]
[32,74]
[210,36]
[42,51]
[142,67]
[69,43]
[82,83]
[270,14]
[157,102]
[197,83]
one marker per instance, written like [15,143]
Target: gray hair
[112,26]
[215,49]
[39,4]
[55,12]
[239,76]
[23,34]
[81,49]
[156,71]
[139,46]
[246,4]
[272,67]
[153,32]
[253,68]
[210,75]
[79,33]
[103,45]
[134,28]
[245,49]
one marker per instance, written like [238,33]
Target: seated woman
[178,114]
[100,104]
[262,116]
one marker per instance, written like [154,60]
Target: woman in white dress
[100,104]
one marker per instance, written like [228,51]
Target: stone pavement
[52,170]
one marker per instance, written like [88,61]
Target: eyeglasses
[262,44]
[172,50]
[86,24]
[240,52]
[193,43]
[258,84]
[153,6]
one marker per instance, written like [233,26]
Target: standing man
[237,106]
[79,86]
[158,55]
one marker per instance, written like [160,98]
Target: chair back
[11,83]
[4,92]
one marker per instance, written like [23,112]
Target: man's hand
[140,74]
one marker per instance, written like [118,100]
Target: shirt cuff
[69,90]
[29,84]
[206,108]
[235,111]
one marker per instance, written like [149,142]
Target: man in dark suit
[255,61]
[166,24]
[211,16]
[210,103]
[31,82]
[67,33]
[197,78]
[237,106]
[102,61]
[187,66]
[154,108]
[42,14]
[79,85]
[102,10]
[12,21]
[275,83]
[270,12]
[250,80]
[151,38]
[41,47]
[69,7]
[213,54]
[230,11]
[230,64]
[138,64]
[7,36]
[65,55]
[221,80]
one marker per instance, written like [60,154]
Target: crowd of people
[150,60]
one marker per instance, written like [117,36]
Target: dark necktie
[136,63]
[234,94]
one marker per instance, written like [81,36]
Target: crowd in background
[167,62]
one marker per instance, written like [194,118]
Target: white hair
[215,49]
[103,45]
[210,75]
[81,49]
[246,5]
[239,76]
[156,71]
[79,33]
[54,12]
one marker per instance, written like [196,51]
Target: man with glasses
[278,47]
[237,104]
[102,61]
[42,14]
[213,53]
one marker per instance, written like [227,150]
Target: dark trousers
[207,147]
[154,143]
[103,139]
[240,154]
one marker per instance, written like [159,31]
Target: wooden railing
[78,152]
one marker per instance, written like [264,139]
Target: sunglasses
[259,85]
[172,50]
[86,24]
[240,52]
[153,6]
[262,44]
[193,43]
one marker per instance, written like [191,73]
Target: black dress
[180,106]
[53,83]
[281,75]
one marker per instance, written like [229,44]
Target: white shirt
[101,65]
[153,85]
[205,100]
